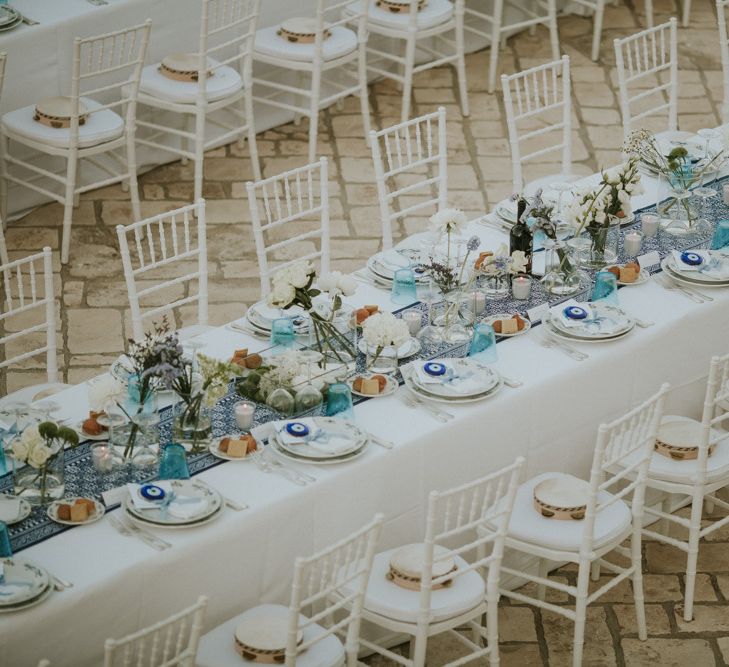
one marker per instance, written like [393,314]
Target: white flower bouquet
[383,330]
[500,263]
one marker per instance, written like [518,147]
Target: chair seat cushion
[528,525]
[434,13]
[341,42]
[684,472]
[217,647]
[224,83]
[99,127]
[388,599]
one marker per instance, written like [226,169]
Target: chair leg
[583,576]
[314,114]
[492,625]
[595,570]
[686,13]
[554,29]
[199,152]
[649,13]
[664,526]
[597,29]
[252,144]
[419,647]
[68,205]
[4,149]
[133,182]
[407,89]
[364,101]
[693,557]
[494,54]
[77,195]
[184,141]
[543,574]
[461,65]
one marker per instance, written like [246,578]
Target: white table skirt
[245,558]
[39,58]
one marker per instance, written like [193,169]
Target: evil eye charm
[691,258]
[152,492]
[297,429]
[575,313]
[434,368]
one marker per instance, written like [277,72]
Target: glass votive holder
[521,287]
[632,243]
[483,343]
[649,223]
[173,464]
[404,290]
[721,235]
[606,287]
[103,457]
[282,333]
[244,415]
[475,301]
[339,401]
[413,318]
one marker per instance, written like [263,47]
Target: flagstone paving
[94,318]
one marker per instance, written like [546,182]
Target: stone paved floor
[94,320]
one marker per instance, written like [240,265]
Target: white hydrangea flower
[20,450]
[384,329]
[448,221]
[281,295]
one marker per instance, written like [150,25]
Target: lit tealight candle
[244,415]
[102,458]
[413,319]
[476,302]
[649,224]
[632,243]
[521,287]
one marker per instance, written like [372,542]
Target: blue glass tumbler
[282,333]
[721,235]
[339,401]
[404,290]
[606,287]
[173,464]
[6,551]
[483,343]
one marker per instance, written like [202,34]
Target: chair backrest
[454,518]
[647,66]
[714,414]
[540,98]
[282,211]
[28,287]
[108,67]
[414,155]
[172,238]
[721,14]
[227,34]
[168,643]
[621,460]
[316,580]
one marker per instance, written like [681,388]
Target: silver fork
[265,466]
[549,342]
[128,530]
[302,475]
[668,284]
[414,402]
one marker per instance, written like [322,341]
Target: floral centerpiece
[42,448]
[596,214]
[681,172]
[294,286]
[497,268]
[383,334]
[273,383]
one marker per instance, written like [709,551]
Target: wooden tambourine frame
[398,7]
[266,657]
[413,583]
[560,513]
[301,37]
[189,76]
[678,453]
[56,122]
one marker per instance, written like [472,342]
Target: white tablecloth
[245,558]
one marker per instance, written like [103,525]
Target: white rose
[20,450]
[39,455]
[600,217]
[282,296]
[298,274]
[348,285]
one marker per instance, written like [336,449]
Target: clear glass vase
[596,247]
[680,212]
[336,342]
[561,276]
[123,420]
[192,424]
[497,286]
[382,360]
[454,318]
[42,485]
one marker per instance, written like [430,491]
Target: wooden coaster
[398,7]
[55,112]
[560,497]
[181,67]
[300,31]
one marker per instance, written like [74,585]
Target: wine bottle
[520,237]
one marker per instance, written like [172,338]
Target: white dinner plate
[299,459]
[21,606]
[52,512]
[484,378]
[23,512]
[573,339]
[215,451]
[622,324]
[317,450]
[378,265]
[408,349]
[33,580]
[507,316]
[182,487]
[409,375]
[668,264]
[104,435]
[170,526]
[643,277]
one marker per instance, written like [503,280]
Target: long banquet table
[245,558]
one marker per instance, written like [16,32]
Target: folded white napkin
[459,385]
[683,266]
[568,322]
[181,507]
[395,259]
[266,312]
[9,508]
[718,266]
[335,443]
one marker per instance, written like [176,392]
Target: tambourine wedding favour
[56,112]
[300,30]
[181,67]
[679,440]
[407,564]
[398,6]
[262,637]
[562,497]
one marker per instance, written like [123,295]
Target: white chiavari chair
[335,63]
[28,291]
[312,613]
[3,246]
[598,9]
[107,66]
[158,243]
[619,470]
[169,643]
[539,97]
[460,597]
[222,95]
[647,65]
[694,480]
[721,13]
[423,29]
[416,152]
[280,207]
[537,12]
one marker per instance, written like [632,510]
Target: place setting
[703,268]
[595,322]
[23,584]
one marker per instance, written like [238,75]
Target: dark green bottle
[520,237]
